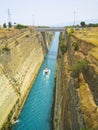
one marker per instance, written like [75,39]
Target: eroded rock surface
[21,55]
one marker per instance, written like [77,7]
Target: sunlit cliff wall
[21,56]
[76,95]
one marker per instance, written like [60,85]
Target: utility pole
[74,17]
[33,20]
[9,18]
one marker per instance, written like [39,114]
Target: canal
[36,113]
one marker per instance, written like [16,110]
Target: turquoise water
[36,113]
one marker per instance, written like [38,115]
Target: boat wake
[17,121]
[46,73]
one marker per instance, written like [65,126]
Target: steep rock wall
[20,60]
[67,112]
[91,73]
[76,95]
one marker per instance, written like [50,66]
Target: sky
[48,12]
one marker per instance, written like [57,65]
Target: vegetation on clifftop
[20,26]
[89,35]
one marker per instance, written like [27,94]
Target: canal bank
[36,113]
[19,64]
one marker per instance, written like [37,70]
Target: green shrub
[79,67]
[71,31]
[76,46]
[6,48]
[19,26]
[63,48]
[62,43]
[27,36]
[87,129]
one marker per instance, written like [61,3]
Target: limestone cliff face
[21,56]
[76,96]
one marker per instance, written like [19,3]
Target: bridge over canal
[49,29]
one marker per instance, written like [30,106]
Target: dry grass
[7,33]
[94,53]
[89,35]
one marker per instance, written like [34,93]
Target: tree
[9,24]
[20,26]
[82,24]
[4,25]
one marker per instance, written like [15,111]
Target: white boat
[46,71]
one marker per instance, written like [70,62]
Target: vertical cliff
[21,55]
[76,95]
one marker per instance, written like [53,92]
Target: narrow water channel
[36,113]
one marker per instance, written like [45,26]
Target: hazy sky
[48,12]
